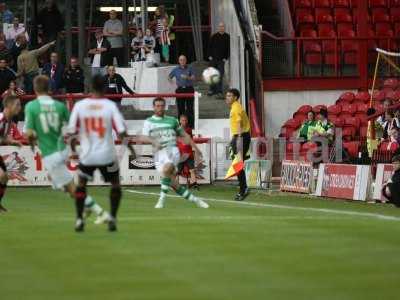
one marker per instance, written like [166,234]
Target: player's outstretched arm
[31,137]
[188,140]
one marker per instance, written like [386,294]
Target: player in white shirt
[165,130]
[93,120]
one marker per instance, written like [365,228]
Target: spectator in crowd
[113,31]
[149,42]
[6,76]
[159,16]
[74,78]
[393,144]
[12,33]
[51,21]
[165,41]
[391,190]
[386,104]
[184,77]
[16,49]
[324,128]
[138,47]
[13,89]
[115,84]
[390,123]
[186,152]
[55,71]
[307,127]
[100,52]
[4,52]
[6,16]
[28,66]
[218,53]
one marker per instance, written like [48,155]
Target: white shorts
[165,156]
[57,170]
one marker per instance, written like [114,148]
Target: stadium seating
[338,18]
[349,113]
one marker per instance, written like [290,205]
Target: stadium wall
[279,106]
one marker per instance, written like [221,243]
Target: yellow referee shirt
[238,115]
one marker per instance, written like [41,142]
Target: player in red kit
[186,151]
[12,107]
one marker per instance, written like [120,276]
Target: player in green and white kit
[165,130]
[44,120]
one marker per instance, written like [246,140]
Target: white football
[211,76]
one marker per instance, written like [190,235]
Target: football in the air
[211,76]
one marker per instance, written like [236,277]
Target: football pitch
[275,246]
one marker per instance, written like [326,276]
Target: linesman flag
[235,168]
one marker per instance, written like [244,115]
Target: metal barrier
[72,98]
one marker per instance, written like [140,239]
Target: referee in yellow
[240,132]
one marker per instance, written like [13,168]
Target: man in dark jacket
[218,53]
[16,50]
[55,71]
[100,53]
[115,84]
[74,79]
[391,190]
[6,76]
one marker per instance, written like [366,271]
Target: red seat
[323,27]
[391,83]
[393,95]
[395,14]
[344,26]
[337,121]
[378,106]
[353,121]
[362,117]
[341,3]
[378,96]
[347,97]
[292,123]
[354,3]
[305,109]
[299,117]
[379,16]
[349,108]
[363,132]
[378,3]
[312,53]
[348,133]
[349,47]
[362,108]
[328,46]
[323,17]
[304,18]
[395,3]
[334,109]
[363,97]
[352,148]
[302,3]
[342,16]
[397,28]
[317,108]
[322,3]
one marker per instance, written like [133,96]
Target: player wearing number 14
[44,120]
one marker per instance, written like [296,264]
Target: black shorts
[109,172]
[2,164]
[189,163]
[246,144]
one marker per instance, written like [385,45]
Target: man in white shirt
[93,120]
[12,33]
[100,52]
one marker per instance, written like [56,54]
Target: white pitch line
[279,206]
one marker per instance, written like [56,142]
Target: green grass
[230,251]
